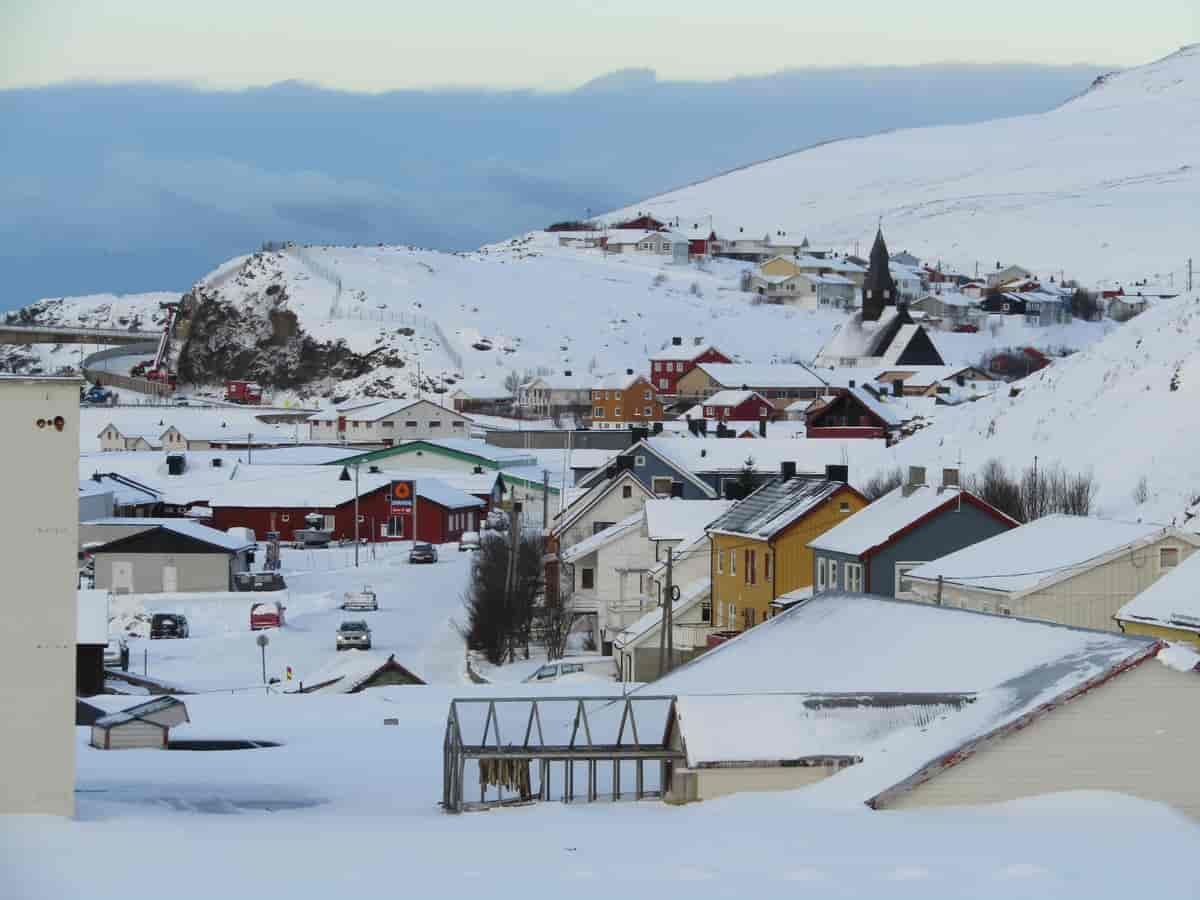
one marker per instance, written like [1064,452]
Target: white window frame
[733,562]
[833,575]
[639,461]
[1162,555]
[821,573]
[906,566]
[616,412]
[854,577]
[649,412]
[598,412]
[767,563]
[720,562]
[654,485]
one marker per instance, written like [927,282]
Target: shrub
[882,483]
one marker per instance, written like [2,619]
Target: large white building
[37,667]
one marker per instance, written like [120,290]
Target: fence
[413,320]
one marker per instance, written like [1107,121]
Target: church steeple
[879,288]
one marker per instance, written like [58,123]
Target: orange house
[622,401]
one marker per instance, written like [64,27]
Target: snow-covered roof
[437,491]
[500,456]
[681,352]
[689,594]
[322,487]
[372,412]
[347,672]
[675,519]
[758,375]
[601,538]
[1041,552]
[725,455]
[730,397]
[1172,602]
[590,458]
[775,506]
[617,236]
[186,528]
[886,411]
[621,382]
[1010,667]
[877,523]
[949,298]
[126,492]
[855,338]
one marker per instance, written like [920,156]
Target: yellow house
[759,547]
[779,265]
[1169,608]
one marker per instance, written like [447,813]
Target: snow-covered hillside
[1125,409]
[1104,186]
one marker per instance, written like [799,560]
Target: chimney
[916,479]
[567,373]
[677,489]
[851,382]
[787,470]
[703,452]
[698,341]
[676,341]
[658,427]
[950,478]
[762,426]
[898,388]
[629,371]
[837,473]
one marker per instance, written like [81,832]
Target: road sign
[402,493]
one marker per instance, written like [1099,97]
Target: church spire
[879,289]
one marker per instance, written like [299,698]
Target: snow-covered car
[422,553]
[364,600]
[468,541]
[116,654]
[354,635]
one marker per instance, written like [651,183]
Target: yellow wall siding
[1088,600]
[1136,734]
[1161,631]
[791,560]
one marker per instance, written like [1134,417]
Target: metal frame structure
[580,748]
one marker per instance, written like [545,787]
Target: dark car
[422,553]
[168,625]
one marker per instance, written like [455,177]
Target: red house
[853,414]
[642,223]
[736,406]
[698,246]
[669,365]
[443,513]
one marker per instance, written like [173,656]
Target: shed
[174,555]
[145,726]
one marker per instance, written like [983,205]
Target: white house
[1074,570]
[388,422]
[547,394]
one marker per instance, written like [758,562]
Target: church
[882,333]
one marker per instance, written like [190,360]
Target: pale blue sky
[374,45]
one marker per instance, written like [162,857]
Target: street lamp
[262,642]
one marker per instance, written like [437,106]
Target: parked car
[422,553]
[468,541]
[168,625]
[364,600]
[354,635]
[181,400]
[258,581]
[268,614]
[603,667]
[116,654]
[966,329]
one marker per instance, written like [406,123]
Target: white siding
[129,735]
[1136,734]
[39,483]
[612,508]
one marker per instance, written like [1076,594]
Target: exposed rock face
[261,340]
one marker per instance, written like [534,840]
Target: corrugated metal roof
[143,711]
[775,505]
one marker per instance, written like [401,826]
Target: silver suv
[354,635]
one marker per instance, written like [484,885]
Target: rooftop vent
[216,463]
[916,479]
[787,470]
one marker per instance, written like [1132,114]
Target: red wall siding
[746,411]
[710,355]
[847,431]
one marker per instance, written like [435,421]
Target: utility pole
[249,448]
[1189,274]
[666,641]
[356,516]
[545,498]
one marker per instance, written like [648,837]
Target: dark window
[627,491]
[587,579]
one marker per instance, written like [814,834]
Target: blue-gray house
[874,549]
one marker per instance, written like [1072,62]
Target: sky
[143,143]
[377,45]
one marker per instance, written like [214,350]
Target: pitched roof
[324,488]
[732,398]
[861,654]
[619,382]
[1042,552]
[1173,601]
[601,538]
[675,519]
[689,595]
[597,489]
[187,528]
[159,711]
[682,352]
[758,375]
[775,506]
[499,457]
[878,523]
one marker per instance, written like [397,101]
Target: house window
[720,562]
[285,518]
[457,424]
[833,573]
[751,567]
[626,491]
[330,523]
[1168,557]
[637,412]
[598,527]
[598,412]
[706,612]
[730,614]
[844,506]
[904,586]
[389,424]
[647,395]
[662,486]
[587,579]
[732,562]
[854,577]
[767,565]
[616,412]
[648,412]
[639,461]
[434,423]
[708,412]
[662,383]
[410,424]
[748,617]
[616,395]
[658,367]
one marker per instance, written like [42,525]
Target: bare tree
[1141,491]
[556,615]
[883,483]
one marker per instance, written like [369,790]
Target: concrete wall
[1136,734]
[194,571]
[1088,600]
[37,667]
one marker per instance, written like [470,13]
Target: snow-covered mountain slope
[1124,409]
[1104,187]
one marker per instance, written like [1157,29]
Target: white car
[363,601]
[468,541]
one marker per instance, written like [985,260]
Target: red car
[268,614]
[966,329]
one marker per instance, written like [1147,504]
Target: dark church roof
[879,288]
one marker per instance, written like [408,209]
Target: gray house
[171,556]
[875,548]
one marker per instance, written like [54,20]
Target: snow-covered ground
[1079,189]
